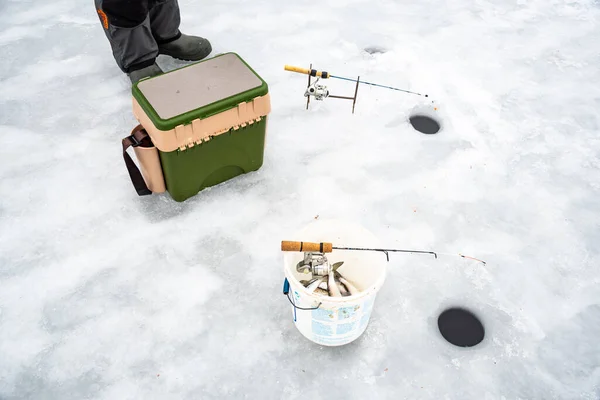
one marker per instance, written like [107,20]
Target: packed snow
[107,295]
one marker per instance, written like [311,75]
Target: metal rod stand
[308,97]
[355,93]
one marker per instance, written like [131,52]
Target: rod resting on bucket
[325,247]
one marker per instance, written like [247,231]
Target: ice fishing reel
[316,264]
[317,90]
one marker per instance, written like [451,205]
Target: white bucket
[336,321]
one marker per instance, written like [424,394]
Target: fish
[314,284]
[351,288]
[343,289]
[337,265]
[305,282]
[331,285]
[334,291]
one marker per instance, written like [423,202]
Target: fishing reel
[316,264]
[318,91]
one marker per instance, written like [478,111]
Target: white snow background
[107,295]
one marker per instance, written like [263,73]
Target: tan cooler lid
[198,85]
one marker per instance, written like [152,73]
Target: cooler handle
[138,137]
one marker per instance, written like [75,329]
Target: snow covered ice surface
[107,295]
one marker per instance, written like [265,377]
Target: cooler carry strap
[138,137]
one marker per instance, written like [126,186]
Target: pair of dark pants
[135,29]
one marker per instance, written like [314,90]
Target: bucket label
[364,321]
[321,314]
[321,329]
[347,312]
[336,326]
[367,306]
[343,329]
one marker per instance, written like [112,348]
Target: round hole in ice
[425,124]
[461,327]
[375,50]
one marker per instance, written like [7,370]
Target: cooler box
[207,121]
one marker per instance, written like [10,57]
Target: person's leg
[128,29]
[164,20]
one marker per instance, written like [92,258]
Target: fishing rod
[325,247]
[327,75]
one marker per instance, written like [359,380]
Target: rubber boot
[187,48]
[147,72]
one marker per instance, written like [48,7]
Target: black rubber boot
[186,48]
[146,72]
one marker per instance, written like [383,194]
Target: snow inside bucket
[335,321]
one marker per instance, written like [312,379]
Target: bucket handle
[286,291]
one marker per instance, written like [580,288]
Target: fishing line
[375,84]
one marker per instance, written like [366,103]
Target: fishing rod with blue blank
[320,91]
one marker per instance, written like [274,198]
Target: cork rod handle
[299,70]
[306,246]
[311,72]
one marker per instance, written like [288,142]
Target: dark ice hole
[424,124]
[461,327]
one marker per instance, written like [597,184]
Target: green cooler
[207,122]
